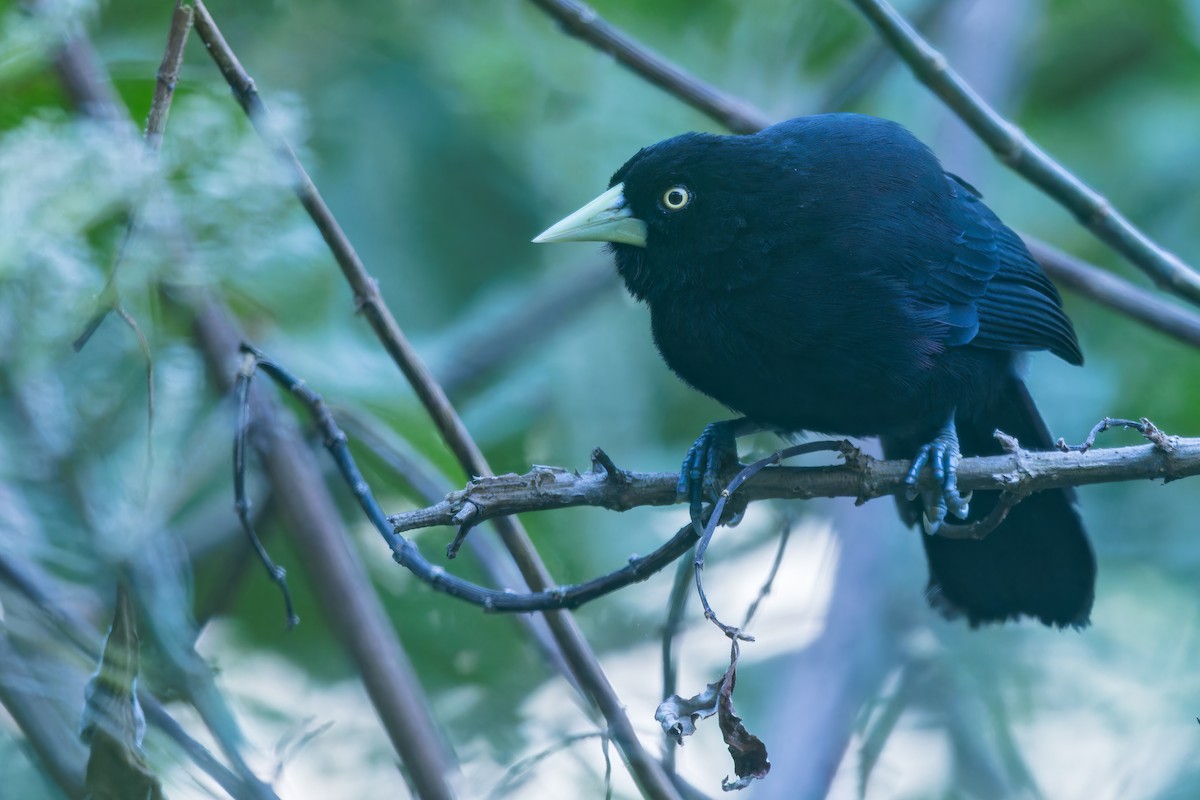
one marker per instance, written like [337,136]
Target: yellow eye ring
[676,198]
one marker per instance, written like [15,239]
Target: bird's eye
[676,198]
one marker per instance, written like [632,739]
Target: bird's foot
[942,455]
[707,458]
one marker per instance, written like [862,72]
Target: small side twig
[156,123]
[979,529]
[675,608]
[405,552]
[719,507]
[1143,426]
[785,535]
[241,501]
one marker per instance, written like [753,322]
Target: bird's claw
[942,456]
[700,475]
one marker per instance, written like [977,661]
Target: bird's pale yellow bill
[605,219]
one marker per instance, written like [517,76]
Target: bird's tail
[1038,562]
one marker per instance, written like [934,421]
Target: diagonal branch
[578,653]
[581,21]
[355,613]
[1115,293]
[369,638]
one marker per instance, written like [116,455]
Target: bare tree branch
[1115,293]
[646,771]
[1016,150]
[531,320]
[55,745]
[368,637]
[40,591]
[580,20]
[355,611]
[865,478]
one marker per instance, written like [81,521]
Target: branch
[864,478]
[64,623]
[369,637]
[578,653]
[156,122]
[1086,279]
[354,610]
[581,21]
[1018,152]
[44,731]
[531,320]
[1117,294]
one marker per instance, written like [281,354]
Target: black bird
[827,275]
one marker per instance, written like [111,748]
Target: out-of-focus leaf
[113,722]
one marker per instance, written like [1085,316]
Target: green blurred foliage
[444,135]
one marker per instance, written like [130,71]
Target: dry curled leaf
[679,716]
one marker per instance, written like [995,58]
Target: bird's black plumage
[826,275]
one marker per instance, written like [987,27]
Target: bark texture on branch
[864,478]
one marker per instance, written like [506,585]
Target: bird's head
[673,211]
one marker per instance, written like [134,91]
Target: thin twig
[1143,426]
[718,510]
[1086,279]
[405,552]
[355,612]
[156,122]
[785,534]
[980,528]
[675,607]
[1018,152]
[241,501]
[578,653]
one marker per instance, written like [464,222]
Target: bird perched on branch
[826,275]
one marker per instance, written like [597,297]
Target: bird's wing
[986,287]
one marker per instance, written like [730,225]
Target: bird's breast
[836,356]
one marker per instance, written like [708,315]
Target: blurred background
[444,135]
